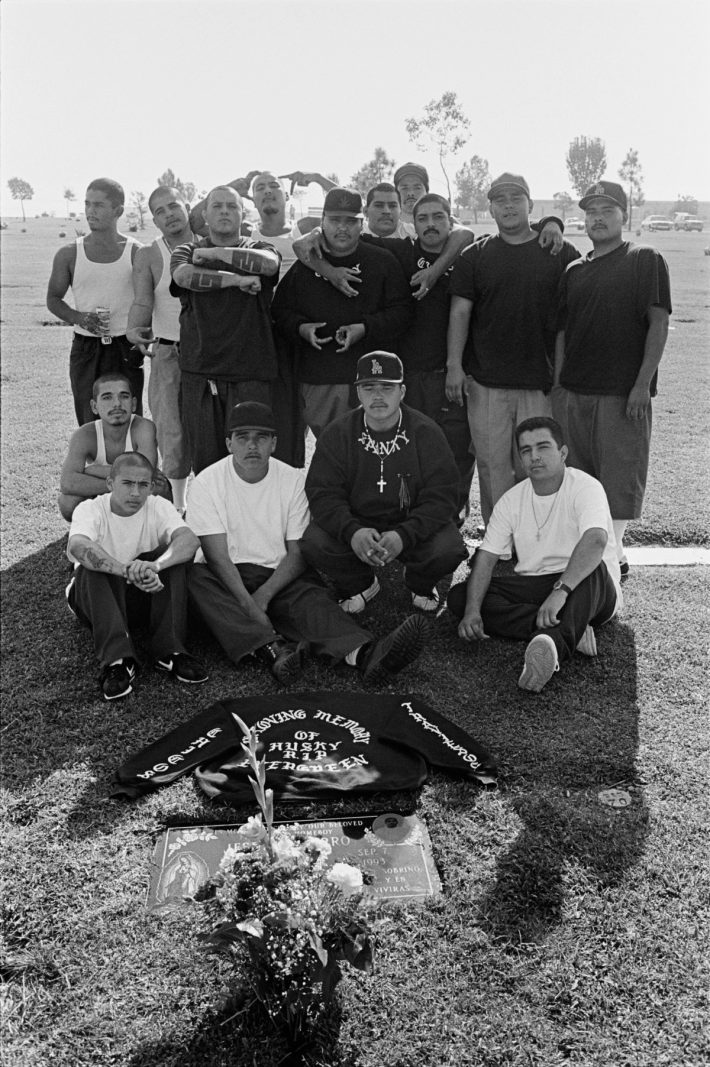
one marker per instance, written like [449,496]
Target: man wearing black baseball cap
[383,485]
[251,585]
[614,309]
[501,335]
[331,330]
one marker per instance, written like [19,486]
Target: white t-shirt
[258,518]
[283,243]
[125,536]
[580,504]
[404,229]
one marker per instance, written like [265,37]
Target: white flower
[283,845]
[348,878]
[319,845]
[252,830]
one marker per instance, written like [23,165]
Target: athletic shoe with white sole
[541,662]
[587,643]
[117,679]
[183,667]
[353,605]
[397,650]
[429,603]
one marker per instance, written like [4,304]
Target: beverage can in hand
[104,317]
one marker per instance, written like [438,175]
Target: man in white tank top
[154,320]
[99,271]
[94,446]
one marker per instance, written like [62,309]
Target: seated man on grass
[95,445]
[253,589]
[383,485]
[130,551]
[567,578]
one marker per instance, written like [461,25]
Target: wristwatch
[561,585]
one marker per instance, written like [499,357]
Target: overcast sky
[127,88]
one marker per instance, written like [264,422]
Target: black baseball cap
[379,367]
[604,190]
[343,202]
[250,415]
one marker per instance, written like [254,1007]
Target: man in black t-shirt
[614,310]
[331,330]
[501,334]
[227,350]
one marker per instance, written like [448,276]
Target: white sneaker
[426,602]
[353,605]
[541,662]
[587,643]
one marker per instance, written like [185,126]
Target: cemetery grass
[568,931]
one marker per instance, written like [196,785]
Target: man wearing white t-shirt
[567,578]
[253,588]
[129,550]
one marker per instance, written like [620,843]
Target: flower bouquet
[284,919]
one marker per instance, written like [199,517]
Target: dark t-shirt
[513,288]
[383,304]
[423,346]
[226,334]
[604,305]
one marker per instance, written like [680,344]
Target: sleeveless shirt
[101,444]
[104,285]
[166,308]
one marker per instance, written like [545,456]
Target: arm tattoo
[202,281]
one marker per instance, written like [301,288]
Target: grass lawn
[568,931]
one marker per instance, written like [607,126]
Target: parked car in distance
[683,221]
[657,222]
[574,223]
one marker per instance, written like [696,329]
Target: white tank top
[104,285]
[166,308]
[101,444]
[283,243]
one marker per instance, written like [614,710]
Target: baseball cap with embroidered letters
[379,366]
[604,190]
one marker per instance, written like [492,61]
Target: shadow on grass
[227,1040]
[569,745]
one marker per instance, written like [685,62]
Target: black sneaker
[624,569]
[395,651]
[284,658]
[183,667]
[117,679]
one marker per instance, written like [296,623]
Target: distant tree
[333,178]
[376,170]
[186,189]
[20,190]
[686,203]
[68,197]
[472,183]
[562,202]
[586,162]
[631,172]
[140,203]
[443,125]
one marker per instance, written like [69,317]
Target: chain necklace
[541,526]
[383,448]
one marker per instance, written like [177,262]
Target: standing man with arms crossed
[502,334]
[154,320]
[99,271]
[615,305]
[227,350]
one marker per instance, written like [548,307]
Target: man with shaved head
[130,551]
[227,350]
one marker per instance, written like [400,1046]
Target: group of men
[487,339]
